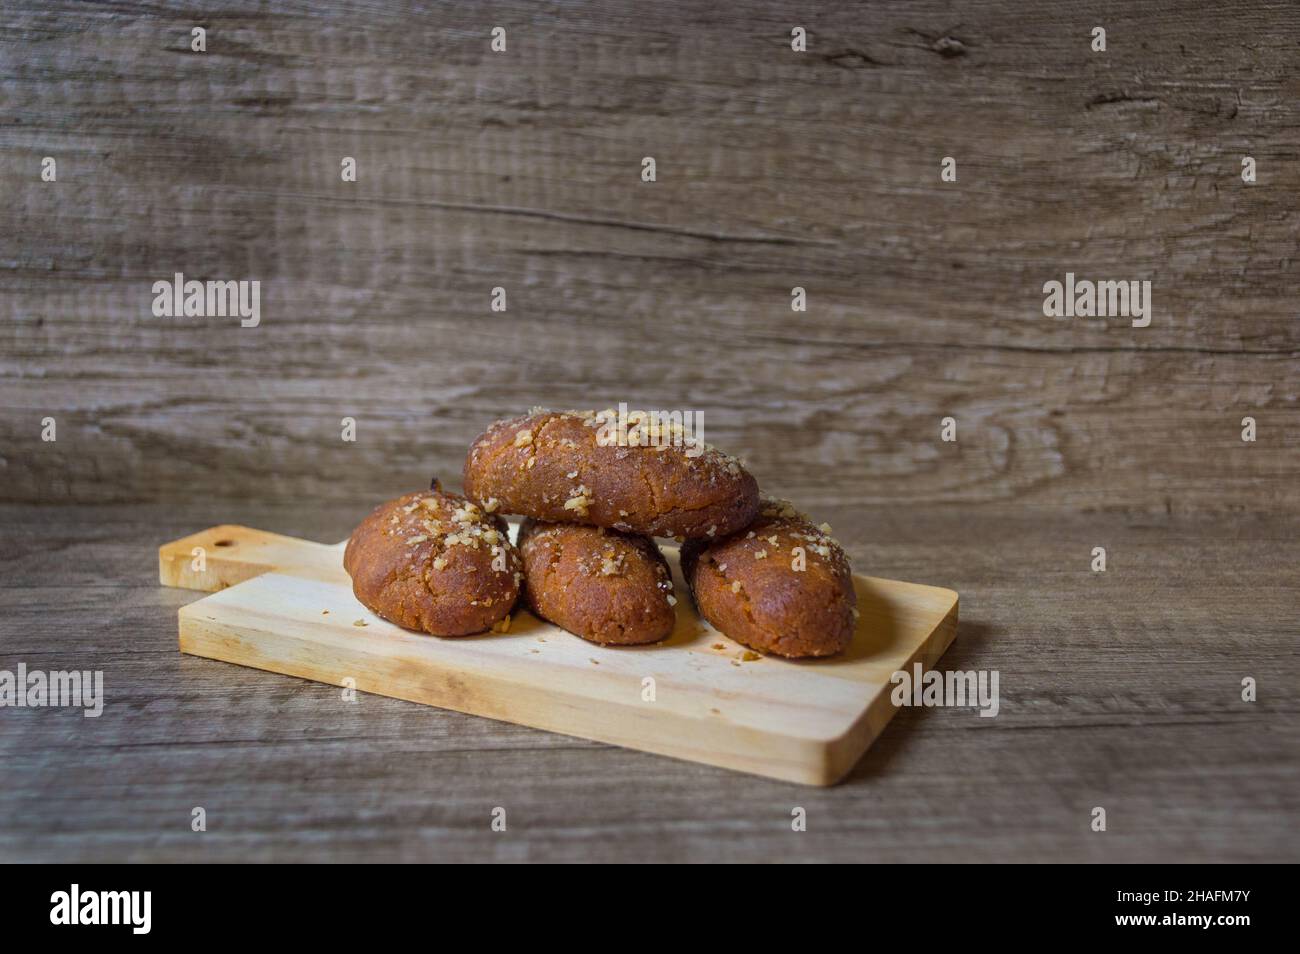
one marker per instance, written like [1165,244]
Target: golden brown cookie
[433,561]
[568,467]
[607,587]
[780,586]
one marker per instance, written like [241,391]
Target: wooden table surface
[521,170]
[1119,689]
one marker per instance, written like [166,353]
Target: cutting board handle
[219,557]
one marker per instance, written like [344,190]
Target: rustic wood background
[775,169]
[1118,689]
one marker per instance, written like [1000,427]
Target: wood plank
[1120,689]
[806,721]
[776,169]
[229,554]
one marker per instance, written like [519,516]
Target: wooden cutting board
[286,605]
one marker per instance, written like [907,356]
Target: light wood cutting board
[286,605]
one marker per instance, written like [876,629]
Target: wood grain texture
[1119,689]
[807,721]
[775,169]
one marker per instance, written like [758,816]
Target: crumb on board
[749,656]
[360,622]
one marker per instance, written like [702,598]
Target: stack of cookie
[586,559]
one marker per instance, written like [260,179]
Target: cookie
[780,586]
[608,587]
[574,467]
[434,562]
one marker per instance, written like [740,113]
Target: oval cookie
[569,467]
[434,562]
[607,587]
[780,586]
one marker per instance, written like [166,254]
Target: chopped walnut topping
[490,505]
[760,555]
[412,541]
[578,500]
[467,513]
[440,563]
[735,587]
[571,474]
[780,508]
[523,438]
[825,528]
[672,600]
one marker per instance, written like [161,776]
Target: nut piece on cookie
[434,562]
[607,587]
[564,467]
[781,585]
